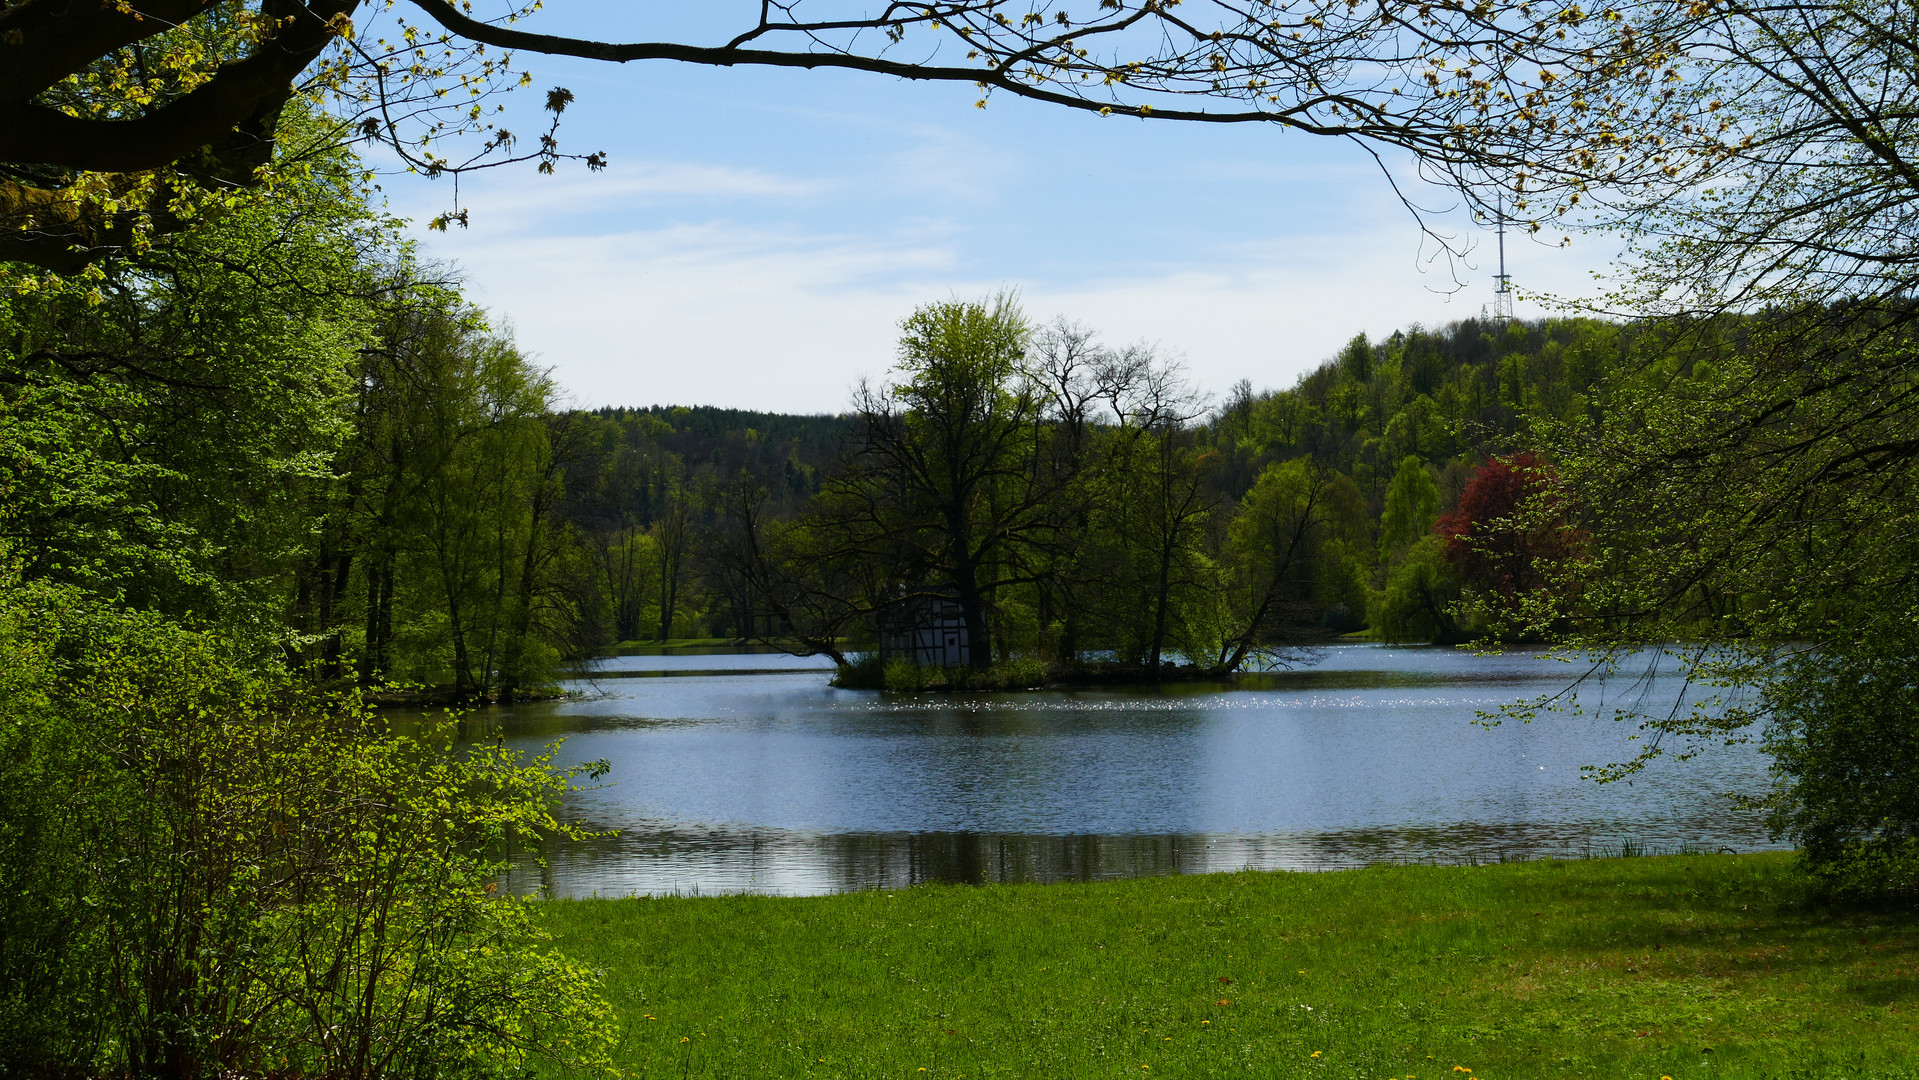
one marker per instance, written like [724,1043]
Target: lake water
[749,773]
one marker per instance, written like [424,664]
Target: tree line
[1084,504]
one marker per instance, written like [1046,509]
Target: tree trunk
[376,656]
[335,588]
[669,590]
[1165,587]
[979,639]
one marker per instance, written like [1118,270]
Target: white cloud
[787,320]
[513,200]
[709,314]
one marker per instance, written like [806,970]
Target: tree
[673,540]
[1512,540]
[1762,443]
[163,432]
[1076,374]
[1156,500]
[941,486]
[1412,506]
[1748,475]
[132,121]
[1842,727]
[1420,597]
[1284,548]
[218,869]
[792,598]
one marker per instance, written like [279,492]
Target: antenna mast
[1502,281]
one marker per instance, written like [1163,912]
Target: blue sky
[759,234]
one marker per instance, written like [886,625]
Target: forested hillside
[1410,420]
[418,509]
[1448,396]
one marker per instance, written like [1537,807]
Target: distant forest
[648,496]
[400,489]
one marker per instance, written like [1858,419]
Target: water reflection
[803,864]
[780,783]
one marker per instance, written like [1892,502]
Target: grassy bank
[1699,966]
[869,672]
[645,646]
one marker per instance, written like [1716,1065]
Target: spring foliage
[210,867]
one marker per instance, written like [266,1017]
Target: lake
[749,773]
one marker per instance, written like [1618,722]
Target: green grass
[902,676]
[1688,966]
[679,643]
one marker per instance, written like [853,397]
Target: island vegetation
[262,468]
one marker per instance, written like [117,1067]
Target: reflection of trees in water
[690,862]
[864,861]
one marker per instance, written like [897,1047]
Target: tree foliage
[132,121]
[1842,726]
[211,868]
[1747,480]
[1411,509]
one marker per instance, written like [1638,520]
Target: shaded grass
[869,672]
[1687,966]
[643,646]
[902,676]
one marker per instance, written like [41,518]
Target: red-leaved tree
[1511,535]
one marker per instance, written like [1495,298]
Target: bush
[1018,674]
[1843,729]
[900,676]
[214,870]
[867,672]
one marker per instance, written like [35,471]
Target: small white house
[926,627]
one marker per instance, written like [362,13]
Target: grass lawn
[644,646]
[1682,967]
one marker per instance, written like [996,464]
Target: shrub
[1843,730]
[866,672]
[900,676]
[220,871]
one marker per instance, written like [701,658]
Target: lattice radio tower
[1502,281]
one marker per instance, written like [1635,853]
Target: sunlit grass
[1696,966]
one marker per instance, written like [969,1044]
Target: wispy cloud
[761,235]
[789,319]
[706,314]
[511,200]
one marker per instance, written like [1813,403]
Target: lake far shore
[1682,966]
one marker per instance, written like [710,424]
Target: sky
[759,234]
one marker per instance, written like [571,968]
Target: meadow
[1681,967]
